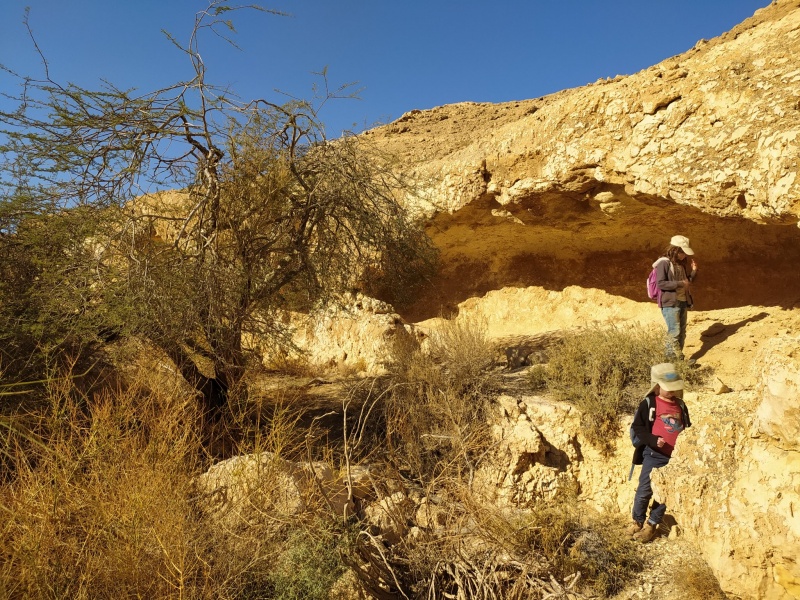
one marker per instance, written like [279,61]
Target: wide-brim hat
[682,242]
[665,377]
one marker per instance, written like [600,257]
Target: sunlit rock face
[735,485]
[586,186]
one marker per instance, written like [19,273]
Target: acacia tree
[263,209]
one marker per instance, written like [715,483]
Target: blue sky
[403,54]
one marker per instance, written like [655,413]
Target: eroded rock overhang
[586,186]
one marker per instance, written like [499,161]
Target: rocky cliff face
[548,213]
[733,486]
[715,128]
[586,185]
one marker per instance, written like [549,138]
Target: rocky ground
[674,570]
[730,346]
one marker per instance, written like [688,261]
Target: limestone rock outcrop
[240,490]
[586,186]
[354,335]
[717,128]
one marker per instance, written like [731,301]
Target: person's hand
[685,284]
[693,265]
[660,443]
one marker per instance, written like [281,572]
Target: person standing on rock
[675,276]
[658,421]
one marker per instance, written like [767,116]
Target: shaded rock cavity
[607,239]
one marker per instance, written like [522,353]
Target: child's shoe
[632,529]
[646,534]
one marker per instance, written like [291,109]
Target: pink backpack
[652,282]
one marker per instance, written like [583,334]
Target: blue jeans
[675,317]
[652,460]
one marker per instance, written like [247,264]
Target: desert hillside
[233,390]
[548,214]
[585,187]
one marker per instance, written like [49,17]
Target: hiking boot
[632,529]
[646,534]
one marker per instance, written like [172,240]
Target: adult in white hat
[675,277]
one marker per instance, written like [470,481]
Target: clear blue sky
[404,54]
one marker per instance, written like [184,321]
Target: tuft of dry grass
[697,582]
[439,393]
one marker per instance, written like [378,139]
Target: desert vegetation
[605,372]
[187,217]
[101,495]
[149,242]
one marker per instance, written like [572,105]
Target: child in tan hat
[660,418]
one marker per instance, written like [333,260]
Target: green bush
[605,372]
[308,566]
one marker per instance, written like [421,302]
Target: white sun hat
[682,242]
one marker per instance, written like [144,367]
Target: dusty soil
[674,570]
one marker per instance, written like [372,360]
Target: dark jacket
[668,284]
[642,426]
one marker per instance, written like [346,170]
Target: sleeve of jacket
[642,425]
[665,284]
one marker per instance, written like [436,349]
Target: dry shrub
[480,551]
[103,510]
[107,507]
[605,372]
[435,410]
[697,582]
[296,364]
[462,348]
[564,538]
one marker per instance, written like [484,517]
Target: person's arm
[692,269]
[665,284]
[642,427]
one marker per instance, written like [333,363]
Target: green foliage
[605,372]
[57,300]
[266,214]
[308,566]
